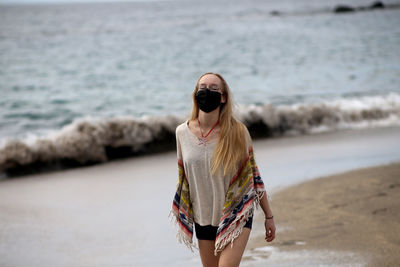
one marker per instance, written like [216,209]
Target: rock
[275,13]
[343,9]
[377,4]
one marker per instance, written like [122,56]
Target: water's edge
[91,141]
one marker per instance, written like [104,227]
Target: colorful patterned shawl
[244,193]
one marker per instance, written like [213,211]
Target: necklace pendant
[202,141]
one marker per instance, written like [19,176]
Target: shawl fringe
[251,195]
[235,230]
[180,235]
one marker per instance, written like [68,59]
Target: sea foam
[92,140]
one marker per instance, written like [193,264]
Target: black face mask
[208,100]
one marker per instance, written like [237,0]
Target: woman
[219,184]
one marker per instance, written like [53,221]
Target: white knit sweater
[207,192]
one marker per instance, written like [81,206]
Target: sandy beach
[356,211]
[92,92]
[116,214]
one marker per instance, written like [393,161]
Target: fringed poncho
[244,192]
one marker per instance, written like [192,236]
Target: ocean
[88,82]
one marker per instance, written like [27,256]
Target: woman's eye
[212,88]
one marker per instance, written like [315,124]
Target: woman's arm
[269,220]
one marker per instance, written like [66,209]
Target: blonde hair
[231,148]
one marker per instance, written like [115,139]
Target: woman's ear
[223,98]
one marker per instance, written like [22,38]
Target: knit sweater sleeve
[182,210]
[258,182]
[178,146]
[245,191]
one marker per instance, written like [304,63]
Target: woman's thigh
[231,256]
[206,248]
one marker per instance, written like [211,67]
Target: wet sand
[356,211]
[116,214]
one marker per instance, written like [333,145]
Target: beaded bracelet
[267,218]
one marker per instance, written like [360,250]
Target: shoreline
[89,141]
[93,211]
[355,212]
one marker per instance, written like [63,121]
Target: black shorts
[209,232]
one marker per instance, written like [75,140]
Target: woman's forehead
[210,79]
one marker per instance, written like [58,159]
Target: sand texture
[356,211]
[116,214]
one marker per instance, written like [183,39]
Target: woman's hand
[269,230]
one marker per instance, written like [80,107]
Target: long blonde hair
[231,148]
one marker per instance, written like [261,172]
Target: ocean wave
[322,116]
[89,141]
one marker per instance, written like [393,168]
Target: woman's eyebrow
[210,84]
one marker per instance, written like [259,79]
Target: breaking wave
[89,141]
